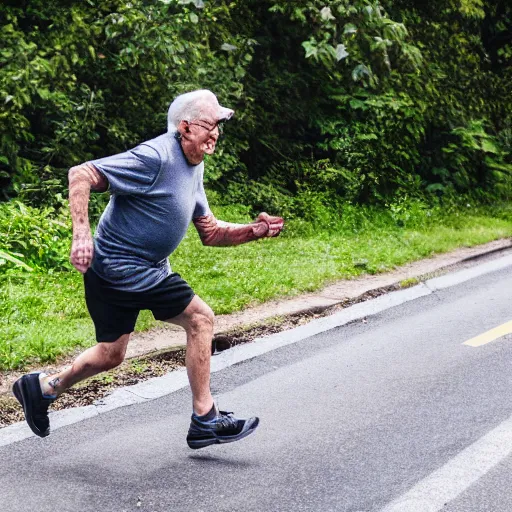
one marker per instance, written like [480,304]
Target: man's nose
[215,133]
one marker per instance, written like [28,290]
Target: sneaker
[35,406]
[224,428]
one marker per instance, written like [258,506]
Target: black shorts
[114,312]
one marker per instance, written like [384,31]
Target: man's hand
[267,226]
[82,251]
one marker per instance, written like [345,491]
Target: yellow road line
[491,335]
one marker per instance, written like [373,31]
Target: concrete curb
[175,380]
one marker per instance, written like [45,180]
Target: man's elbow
[86,173]
[207,229]
[74,173]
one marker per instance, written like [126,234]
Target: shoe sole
[196,444]
[22,396]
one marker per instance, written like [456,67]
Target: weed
[407,283]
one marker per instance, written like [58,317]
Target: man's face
[203,133]
[199,136]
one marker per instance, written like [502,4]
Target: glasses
[218,124]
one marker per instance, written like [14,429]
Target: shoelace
[226,419]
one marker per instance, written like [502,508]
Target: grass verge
[44,317]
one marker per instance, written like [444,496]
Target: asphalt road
[393,414]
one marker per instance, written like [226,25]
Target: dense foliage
[359,101]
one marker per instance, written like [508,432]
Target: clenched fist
[268,226]
[82,251]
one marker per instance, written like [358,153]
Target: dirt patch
[10,411]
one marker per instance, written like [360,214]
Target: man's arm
[219,233]
[82,179]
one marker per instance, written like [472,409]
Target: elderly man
[156,191]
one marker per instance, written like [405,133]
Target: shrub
[32,238]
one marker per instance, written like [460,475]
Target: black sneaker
[28,392]
[224,428]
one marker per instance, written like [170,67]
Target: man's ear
[183,127]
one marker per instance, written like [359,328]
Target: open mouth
[210,145]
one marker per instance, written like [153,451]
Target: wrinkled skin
[219,233]
[82,179]
[199,137]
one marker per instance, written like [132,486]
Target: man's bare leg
[97,359]
[208,425]
[197,320]
[35,392]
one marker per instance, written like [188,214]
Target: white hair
[190,106]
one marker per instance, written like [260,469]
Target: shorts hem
[111,338]
[172,313]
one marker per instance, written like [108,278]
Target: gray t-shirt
[155,195]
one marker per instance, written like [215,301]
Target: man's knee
[202,319]
[114,360]
[198,316]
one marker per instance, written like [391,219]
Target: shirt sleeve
[202,207]
[131,172]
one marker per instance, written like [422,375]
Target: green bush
[32,238]
[358,100]
[81,80]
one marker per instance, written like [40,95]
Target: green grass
[44,317]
